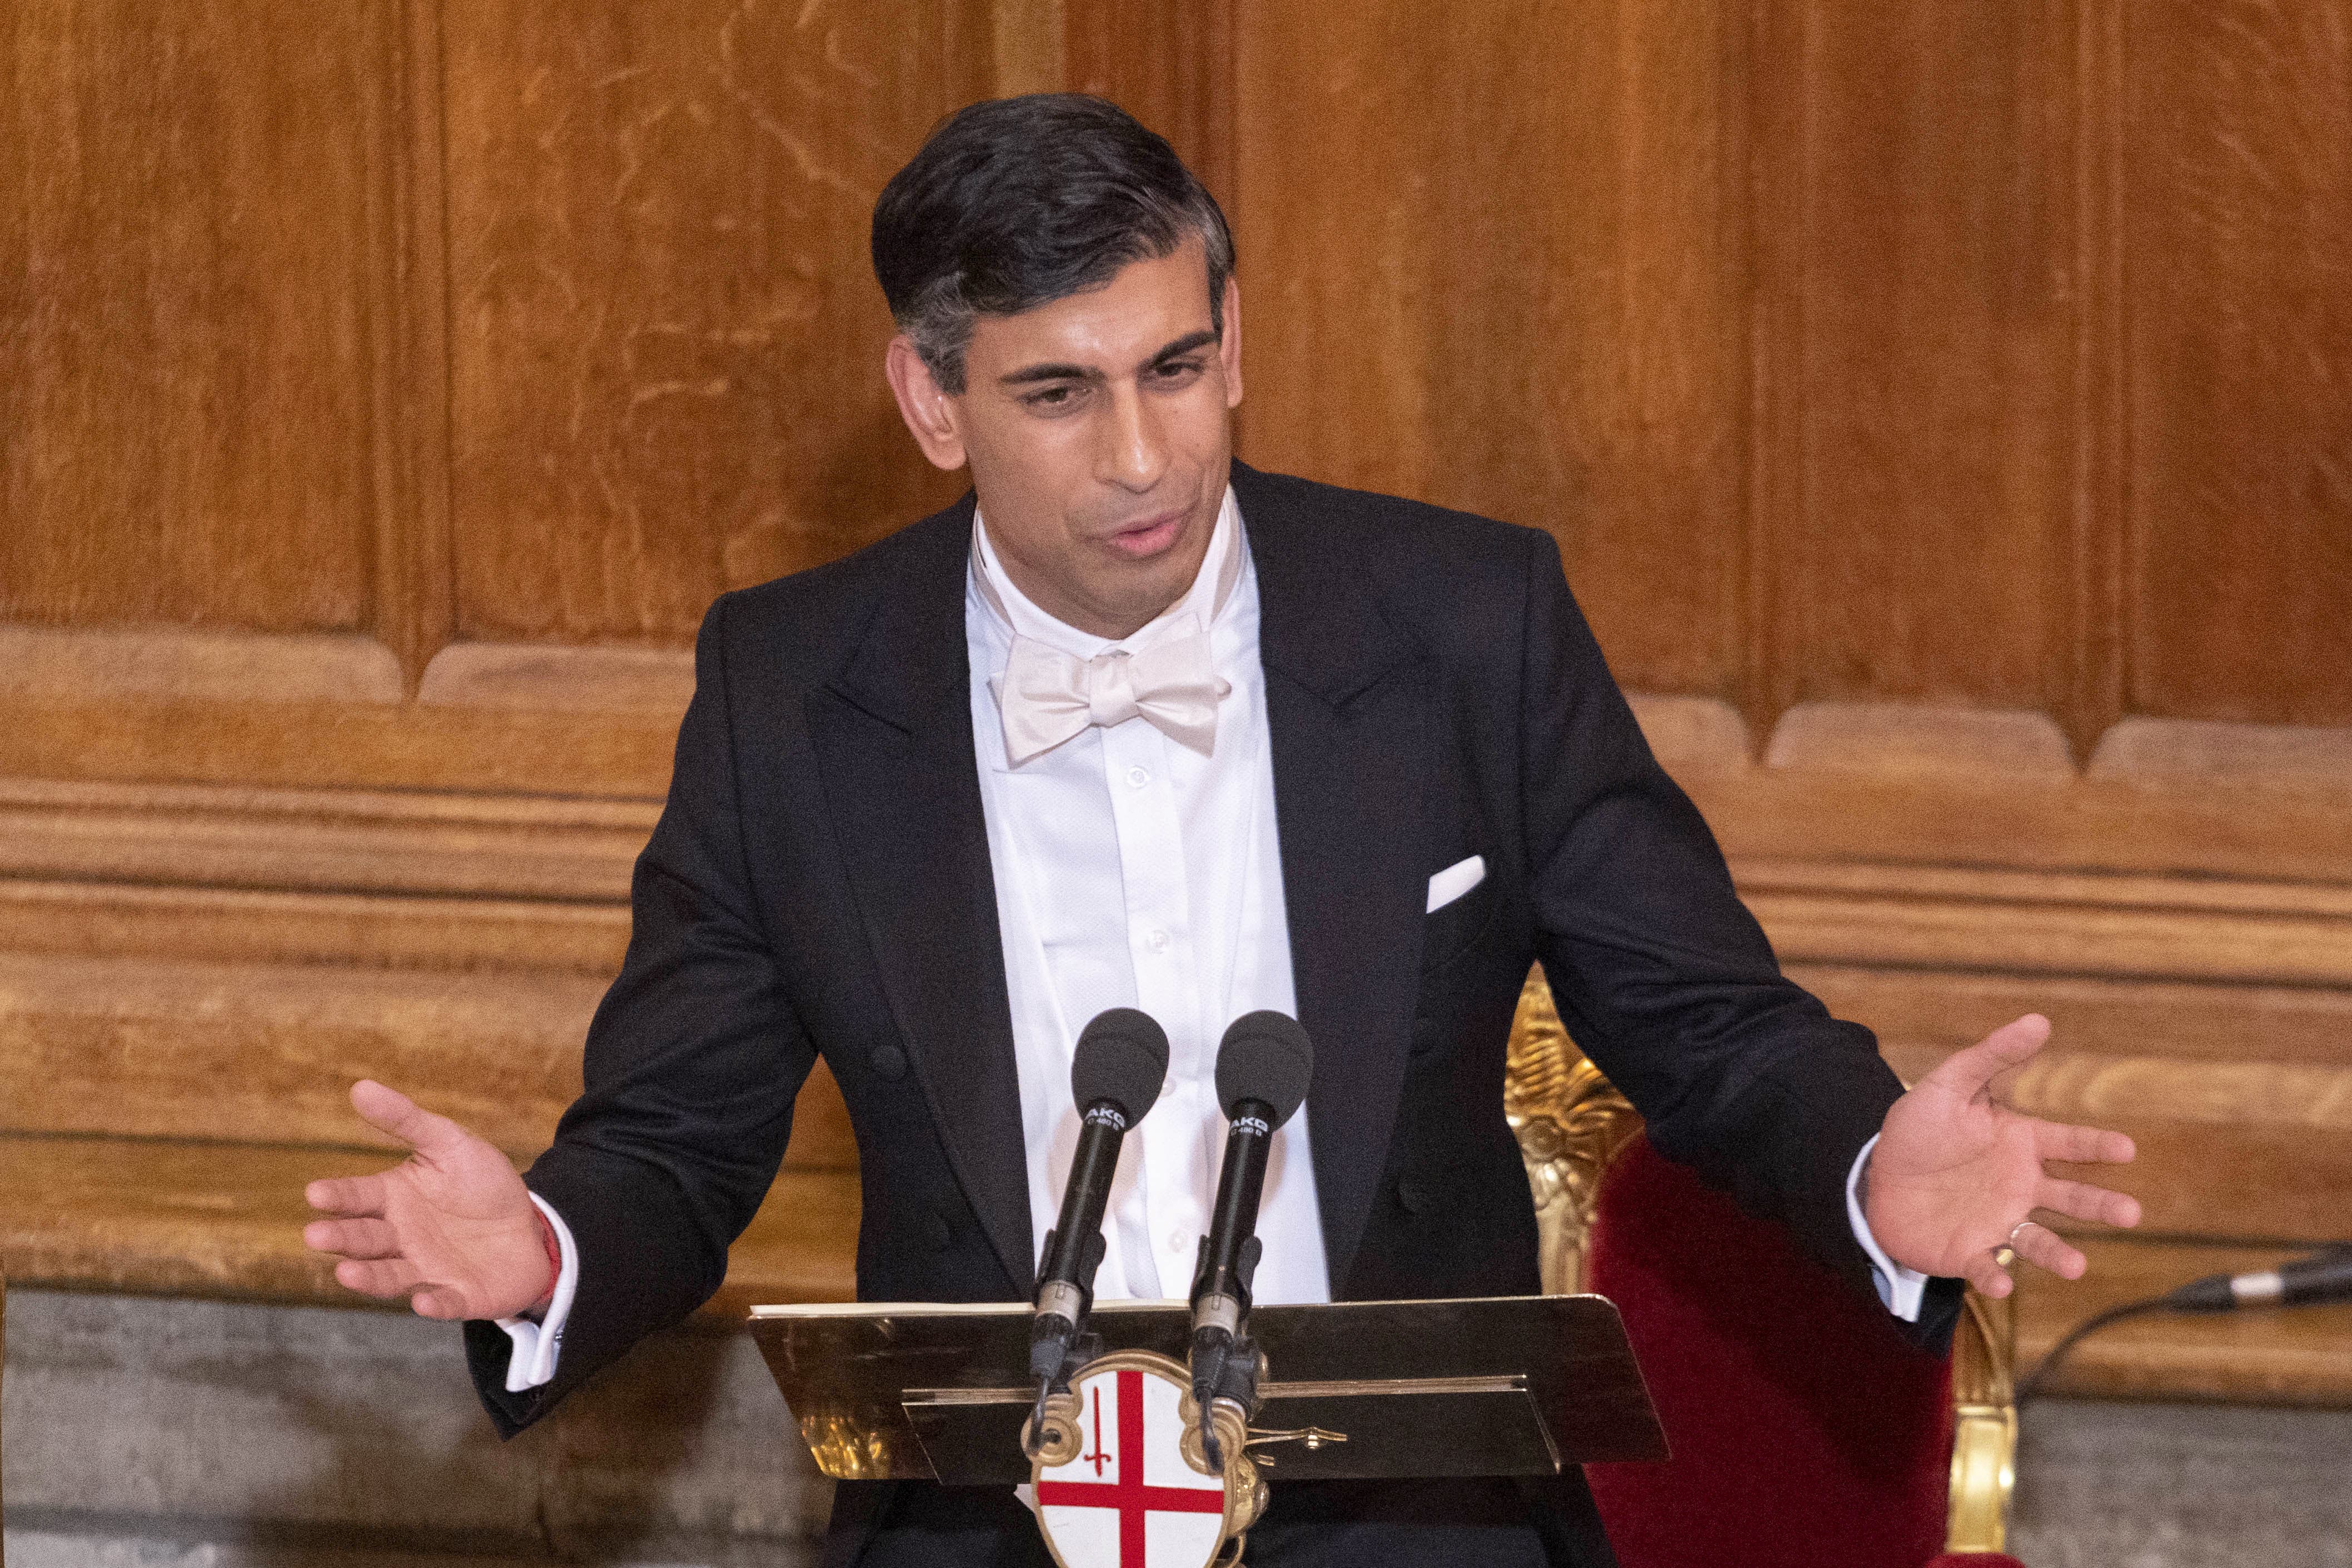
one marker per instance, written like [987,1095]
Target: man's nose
[1133,453]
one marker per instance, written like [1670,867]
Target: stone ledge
[177,1434]
[151,1434]
[2129,1485]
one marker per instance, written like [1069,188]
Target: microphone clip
[1236,1374]
[1225,1361]
[1051,1424]
[1226,1375]
[1060,1342]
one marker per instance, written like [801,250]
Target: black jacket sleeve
[691,1067]
[1662,976]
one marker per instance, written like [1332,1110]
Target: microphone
[1263,1065]
[2324,1276]
[1114,1075]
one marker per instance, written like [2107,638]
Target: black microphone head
[1266,1057]
[1121,1057]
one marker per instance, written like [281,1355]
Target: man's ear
[929,413]
[1229,347]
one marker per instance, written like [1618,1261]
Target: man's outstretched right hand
[452,1227]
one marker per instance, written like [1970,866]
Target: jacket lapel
[1348,711]
[894,743]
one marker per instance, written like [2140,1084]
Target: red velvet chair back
[1805,1430]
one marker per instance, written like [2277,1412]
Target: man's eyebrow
[1181,346]
[1053,372]
[1048,373]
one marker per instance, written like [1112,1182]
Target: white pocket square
[1455,880]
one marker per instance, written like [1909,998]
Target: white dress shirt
[1132,871]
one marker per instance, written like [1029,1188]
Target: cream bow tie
[1047,696]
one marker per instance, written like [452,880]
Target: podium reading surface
[1502,1386]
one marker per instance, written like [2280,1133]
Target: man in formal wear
[1132,725]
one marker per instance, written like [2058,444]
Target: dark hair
[1016,202]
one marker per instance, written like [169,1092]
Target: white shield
[1129,1500]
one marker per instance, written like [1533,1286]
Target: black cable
[2088,1326]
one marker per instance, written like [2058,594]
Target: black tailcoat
[819,883]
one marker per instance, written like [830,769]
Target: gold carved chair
[1582,1142]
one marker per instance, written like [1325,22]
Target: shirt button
[1177,1240]
[1137,778]
[1157,941]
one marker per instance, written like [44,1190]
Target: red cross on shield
[1129,1500]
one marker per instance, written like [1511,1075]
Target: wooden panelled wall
[1946,412]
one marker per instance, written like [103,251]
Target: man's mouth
[1148,536]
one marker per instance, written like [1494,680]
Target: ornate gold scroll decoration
[1570,1123]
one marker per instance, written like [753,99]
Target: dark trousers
[1308,1524]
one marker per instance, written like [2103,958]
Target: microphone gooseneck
[1116,1072]
[1263,1066]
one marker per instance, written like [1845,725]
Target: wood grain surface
[189,282]
[1498,262]
[2237,207]
[666,340]
[1913,345]
[167,1217]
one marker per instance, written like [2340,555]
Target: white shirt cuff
[537,1344]
[1900,1290]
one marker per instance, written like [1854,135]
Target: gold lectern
[1504,1385]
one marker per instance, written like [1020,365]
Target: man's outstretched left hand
[1957,1173]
